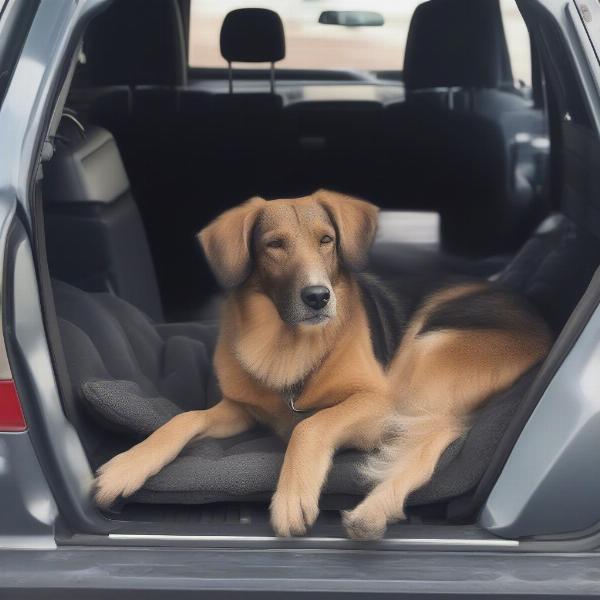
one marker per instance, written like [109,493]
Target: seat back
[543,270]
[246,125]
[457,136]
[334,144]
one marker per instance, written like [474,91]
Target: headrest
[137,42]
[455,43]
[252,35]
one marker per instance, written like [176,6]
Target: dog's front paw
[364,523]
[121,476]
[293,514]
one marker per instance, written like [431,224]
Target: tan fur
[442,378]
[227,242]
[432,385]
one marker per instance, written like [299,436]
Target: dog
[330,360]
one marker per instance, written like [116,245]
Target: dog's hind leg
[414,457]
[443,377]
[127,472]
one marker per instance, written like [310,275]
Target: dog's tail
[413,442]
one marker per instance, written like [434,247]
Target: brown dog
[295,336]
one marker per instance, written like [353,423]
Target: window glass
[517,39]
[309,44]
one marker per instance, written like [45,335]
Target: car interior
[473,171]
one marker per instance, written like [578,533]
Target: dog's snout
[315,296]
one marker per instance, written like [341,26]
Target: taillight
[11,414]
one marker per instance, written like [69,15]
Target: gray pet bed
[247,466]
[130,376]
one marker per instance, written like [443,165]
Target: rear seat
[456,138]
[242,131]
[335,144]
[192,154]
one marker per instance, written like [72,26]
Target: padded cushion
[130,376]
[248,465]
[252,35]
[121,405]
[454,43]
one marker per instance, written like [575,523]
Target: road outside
[311,45]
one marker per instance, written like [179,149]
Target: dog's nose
[315,296]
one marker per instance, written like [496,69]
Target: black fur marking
[491,308]
[387,317]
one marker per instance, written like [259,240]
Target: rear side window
[309,44]
[517,40]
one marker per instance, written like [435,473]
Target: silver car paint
[28,521]
[549,484]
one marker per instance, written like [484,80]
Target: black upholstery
[207,151]
[454,163]
[245,125]
[95,237]
[136,42]
[455,44]
[337,145]
[108,106]
[456,137]
[252,35]
[580,185]
[554,268]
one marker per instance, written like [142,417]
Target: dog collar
[290,395]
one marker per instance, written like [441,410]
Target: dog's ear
[226,242]
[356,224]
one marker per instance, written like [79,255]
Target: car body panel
[28,523]
[25,116]
[549,483]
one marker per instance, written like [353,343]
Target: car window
[309,44]
[517,39]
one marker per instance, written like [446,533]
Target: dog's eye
[326,239]
[275,244]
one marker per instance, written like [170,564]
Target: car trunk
[163,160]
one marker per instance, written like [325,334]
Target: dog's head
[292,250]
